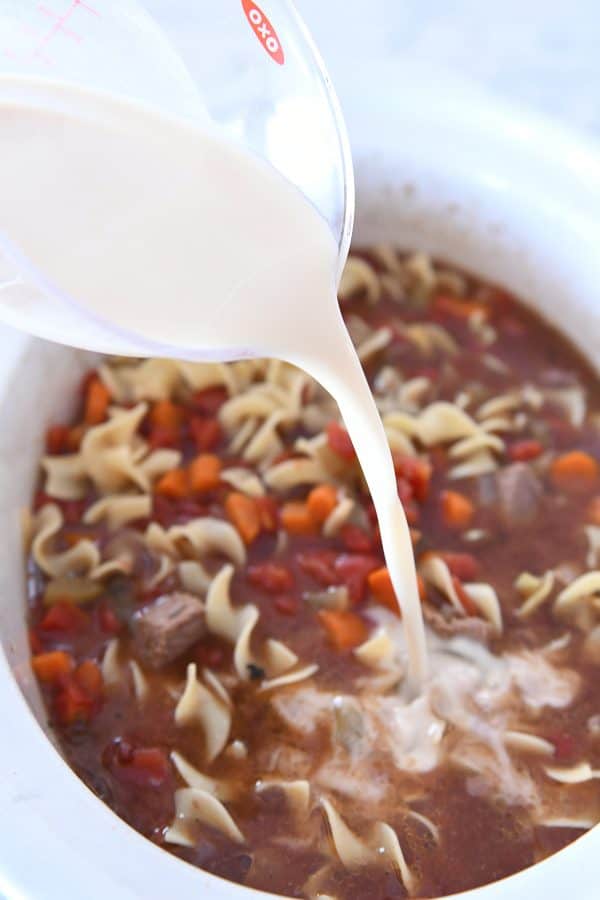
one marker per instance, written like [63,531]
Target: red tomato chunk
[64,617]
[339,441]
[525,451]
[144,767]
[270,576]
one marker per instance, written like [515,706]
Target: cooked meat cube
[456,626]
[519,494]
[167,628]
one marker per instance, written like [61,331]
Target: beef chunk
[454,625]
[519,494]
[167,628]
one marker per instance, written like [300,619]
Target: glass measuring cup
[251,70]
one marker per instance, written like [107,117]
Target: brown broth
[481,838]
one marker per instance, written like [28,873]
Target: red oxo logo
[264,31]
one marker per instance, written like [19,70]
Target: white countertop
[541,53]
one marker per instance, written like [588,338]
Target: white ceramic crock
[509,196]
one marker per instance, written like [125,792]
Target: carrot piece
[457,510]
[322,500]
[173,484]
[575,472]
[422,588]
[344,629]
[166,414]
[51,667]
[89,677]
[380,585]
[243,512]
[296,518]
[97,399]
[593,512]
[204,472]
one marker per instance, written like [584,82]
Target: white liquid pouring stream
[170,233]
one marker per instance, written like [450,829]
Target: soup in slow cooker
[217,638]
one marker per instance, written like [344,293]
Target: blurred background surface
[544,54]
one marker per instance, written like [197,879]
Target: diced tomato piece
[57,439]
[412,513]
[161,436]
[35,643]
[565,746]
[108,621]
[525,451]
[284,456]
[339,441]
[163,510]
[462,565]
[371,513]
[467,604]
[73,510]
[268,512]
[271,576]
[187,509]
[417,472]
[210,400]
[72,704]
[287,604]
[211,652]
[356,539]
[405,491]
[320,565]
[206,433]
[66,618]
[40,499]
[148,767]
[352,570]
